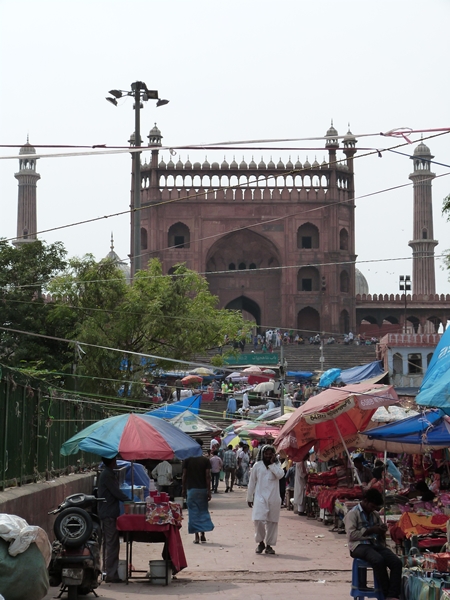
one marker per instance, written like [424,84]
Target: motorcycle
[76,551]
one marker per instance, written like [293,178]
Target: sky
[233,71]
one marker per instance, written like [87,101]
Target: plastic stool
[359,582]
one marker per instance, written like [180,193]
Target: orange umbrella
[332,420]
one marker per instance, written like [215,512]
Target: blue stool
[359,582]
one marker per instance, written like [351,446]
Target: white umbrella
[265,386]
[236,377]
[201,371]
[252,370]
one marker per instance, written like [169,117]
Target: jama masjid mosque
[246,225]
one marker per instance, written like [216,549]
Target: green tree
[172,316]
[25,271]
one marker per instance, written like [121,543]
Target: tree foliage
[172,316]
[25,271]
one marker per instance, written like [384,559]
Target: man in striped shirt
[229,466]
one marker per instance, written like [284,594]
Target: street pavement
[310,561]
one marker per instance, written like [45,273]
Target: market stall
[160,524]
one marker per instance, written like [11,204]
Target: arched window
[344,282]
[232,267]
[343,239]
[308,279]
[144,243]
[307,236]
[179,236]
[252,266]
[424,234]
[242,266]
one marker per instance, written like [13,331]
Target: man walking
[216,467]
[229,466]
[196,480]
[263,496]
[108,511]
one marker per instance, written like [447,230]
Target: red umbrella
[332,420]
[189,379]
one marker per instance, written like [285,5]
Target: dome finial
[112,241]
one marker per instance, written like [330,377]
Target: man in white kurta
[263,495]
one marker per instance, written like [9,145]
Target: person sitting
[366,536]
[377,483]
[365,474]
[427,494]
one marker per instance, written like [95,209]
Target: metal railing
[34,423]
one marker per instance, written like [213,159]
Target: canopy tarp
[363,372]
[168,411]
[430,425]
[435,388]
[300,374]
[191,423]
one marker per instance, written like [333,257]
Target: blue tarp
[435,388]
[430,428]
[168,411]
[358,374]
[300,374]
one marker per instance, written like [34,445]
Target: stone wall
[32,502]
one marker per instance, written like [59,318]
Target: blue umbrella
[430,428]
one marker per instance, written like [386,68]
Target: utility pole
[282,367]
[140,93]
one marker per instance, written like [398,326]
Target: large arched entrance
[250,309]
[241,265]
[308,321]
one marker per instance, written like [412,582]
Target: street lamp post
[405,286]
[140,93]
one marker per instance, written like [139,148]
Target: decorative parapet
[400,298]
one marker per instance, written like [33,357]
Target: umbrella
[189,379]
[236,377]
[203,371]
[231,439]
[190,423]
[270,372]
[272,413]
[134,437]
[262,431]
[420,433]
[435,388]
[332,420]
[266,386]
[253,369]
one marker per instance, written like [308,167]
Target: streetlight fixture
[140,93]
[405,286]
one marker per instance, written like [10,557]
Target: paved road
[311,561]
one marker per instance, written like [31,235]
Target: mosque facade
[276,241]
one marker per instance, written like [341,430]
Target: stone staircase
[306,357]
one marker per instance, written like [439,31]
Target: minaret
[422,244]
[26,205]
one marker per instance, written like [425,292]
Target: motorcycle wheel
[73,527]
[72,592]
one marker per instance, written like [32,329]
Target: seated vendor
[377,483]
[365,474]
[367,540]
[427,494]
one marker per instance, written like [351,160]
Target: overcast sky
[235,70]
